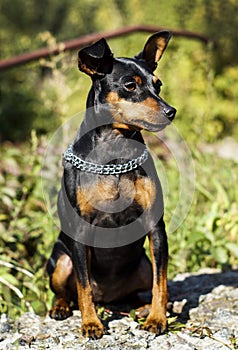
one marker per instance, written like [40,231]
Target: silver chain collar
[103,169]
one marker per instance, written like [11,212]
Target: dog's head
[128,85]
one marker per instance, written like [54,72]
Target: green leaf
[172,320]
[32,287]
[10,278]
[233,248]
[173,326]
[222,195]
[220,254]
[133,314]
[195,237]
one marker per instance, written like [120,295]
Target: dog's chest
[111,194]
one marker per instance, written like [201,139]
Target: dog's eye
[130,86]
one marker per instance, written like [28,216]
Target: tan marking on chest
[83,201]
[145,192]
[88,197]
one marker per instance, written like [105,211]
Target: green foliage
[208,236]
[206,102]
[43,101]
[27,233]
[34,98]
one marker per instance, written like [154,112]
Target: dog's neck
[99,141]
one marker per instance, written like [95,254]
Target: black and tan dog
[88,265]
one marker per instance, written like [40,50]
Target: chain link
[104,169]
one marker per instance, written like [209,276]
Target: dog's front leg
[156,321]
[91,325]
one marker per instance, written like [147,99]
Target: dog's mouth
[141,125]
[145,125]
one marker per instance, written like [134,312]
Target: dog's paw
[93,330]
[157,325]
[61,310]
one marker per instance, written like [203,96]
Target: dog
[111,197]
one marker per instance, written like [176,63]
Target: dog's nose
[170,112]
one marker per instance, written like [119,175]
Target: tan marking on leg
[61,309]
[91,325]
[63,270]
[156,321]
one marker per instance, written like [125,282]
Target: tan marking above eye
[138,79]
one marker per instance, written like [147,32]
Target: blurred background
[199,78]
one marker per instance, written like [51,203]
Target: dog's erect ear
[154,48]
[96,59]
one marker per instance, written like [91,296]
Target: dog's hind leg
[60,284]
[60,270]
